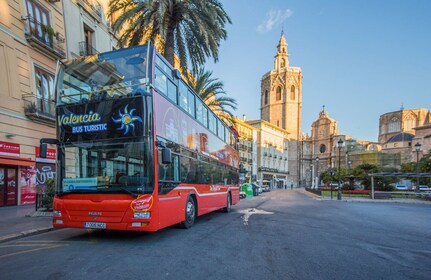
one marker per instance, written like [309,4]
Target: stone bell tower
[281,105]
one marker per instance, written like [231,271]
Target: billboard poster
[110,119]
[28,185]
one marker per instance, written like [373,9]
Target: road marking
[252,211]
[31,250]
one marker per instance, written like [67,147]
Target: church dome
[401,137]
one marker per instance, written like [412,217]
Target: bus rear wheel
[190,211]
[229,204]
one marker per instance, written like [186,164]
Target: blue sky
[360,59]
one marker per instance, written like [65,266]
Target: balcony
[92,7]
[86,49]
[39,109]
[243,159]
[44,38]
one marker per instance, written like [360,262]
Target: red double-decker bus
[137,148]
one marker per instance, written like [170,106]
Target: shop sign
[9,149]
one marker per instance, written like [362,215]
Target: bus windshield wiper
[128,191]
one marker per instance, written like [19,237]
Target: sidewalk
[21,221]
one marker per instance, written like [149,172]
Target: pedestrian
[291,186]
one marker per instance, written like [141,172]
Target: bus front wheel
[229,204]
[190,211]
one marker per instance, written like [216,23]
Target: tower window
[278,94]
[292,92]
[283,63]
[266,97]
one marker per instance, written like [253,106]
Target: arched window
[394,125]
[292,92]
[283,63]
[266,97]
[278,94]
[409,123]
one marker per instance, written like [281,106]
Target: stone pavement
[20,221]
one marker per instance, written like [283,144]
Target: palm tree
[191,28]
[212,92]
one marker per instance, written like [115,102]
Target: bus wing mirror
[166,156]
[42,150]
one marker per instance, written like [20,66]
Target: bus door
[170,201]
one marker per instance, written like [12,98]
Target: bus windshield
[106,167]
[112,74]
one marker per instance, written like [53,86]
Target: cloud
[274,18]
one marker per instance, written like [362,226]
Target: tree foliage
[212,92]
[190,28]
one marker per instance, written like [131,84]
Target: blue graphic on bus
[127,120]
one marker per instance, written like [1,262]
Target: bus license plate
[94,225]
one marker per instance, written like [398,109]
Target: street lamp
[331,173]
[317,172]
[339,146]
[418,148]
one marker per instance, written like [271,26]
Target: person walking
[291,186]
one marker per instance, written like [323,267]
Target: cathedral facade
[281,104]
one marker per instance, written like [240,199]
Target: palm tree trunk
[169,46]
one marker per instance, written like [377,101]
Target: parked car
[422,188]
[401,187]
[265,188]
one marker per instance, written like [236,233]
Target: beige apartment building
[272,155]
[32,39]
[247,149]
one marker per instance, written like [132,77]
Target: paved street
[279,235]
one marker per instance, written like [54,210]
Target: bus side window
[183,98]
[191,101]
[172,92]
[160,81]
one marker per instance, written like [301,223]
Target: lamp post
[339,146]
[317,172]
[331,173]
[418,148]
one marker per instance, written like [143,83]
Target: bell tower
[281,93]
[281,105]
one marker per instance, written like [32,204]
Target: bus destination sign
[102,120]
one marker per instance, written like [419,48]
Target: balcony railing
[40,109]
[92,7]
[86,49]
[44,38]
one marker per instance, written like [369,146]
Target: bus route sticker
[142,203]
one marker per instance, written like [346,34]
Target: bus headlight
[56,213]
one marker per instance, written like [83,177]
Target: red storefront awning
[17,161]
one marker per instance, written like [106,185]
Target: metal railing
[44,201]
[44,37]
[39,108]
[93,7]
[86,49]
